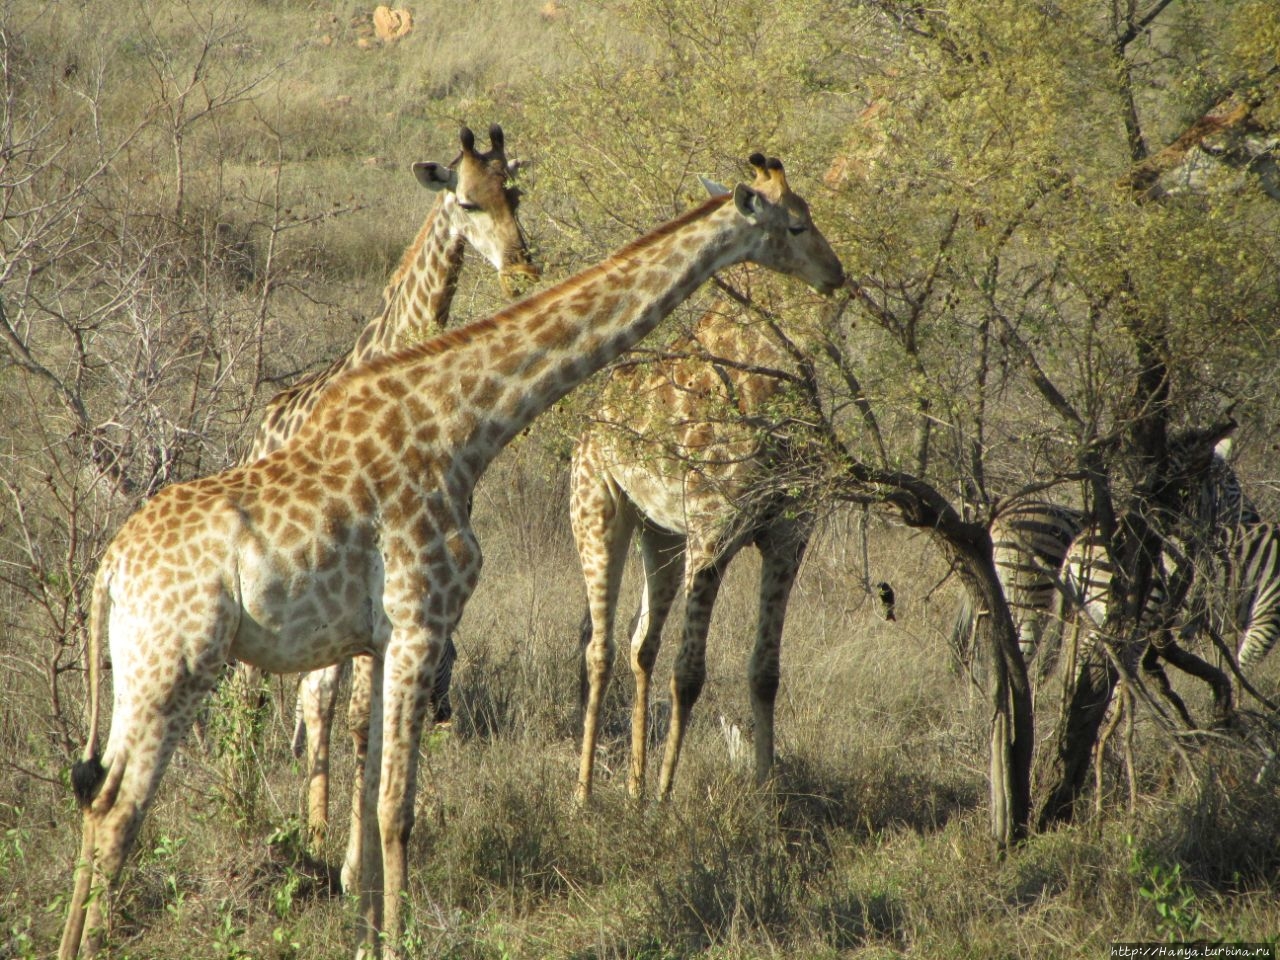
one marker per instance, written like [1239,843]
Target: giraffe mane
[411,252]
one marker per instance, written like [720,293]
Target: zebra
[1208,510]
[1087,578]
[1242,561]
[1087,575]
[1029,542]
[1053,568]
[1216,540]
[1250,579]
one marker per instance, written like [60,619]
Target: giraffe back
[691,430]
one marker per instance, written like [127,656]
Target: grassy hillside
[203,200]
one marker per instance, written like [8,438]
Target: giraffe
[355,536]
[475,205]
[683,456]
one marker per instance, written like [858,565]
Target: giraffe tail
[87,773]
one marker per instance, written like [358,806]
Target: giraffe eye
[795,231]
[468,206]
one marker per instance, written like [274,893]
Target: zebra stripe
[1029,543]
[1254,582]
[1087,575]
[1244,558]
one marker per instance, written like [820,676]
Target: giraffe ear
[748,201]
[435,176]
[713,189]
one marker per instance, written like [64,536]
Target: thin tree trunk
[1095,684]
[1012,722]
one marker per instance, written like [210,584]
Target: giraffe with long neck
[476,205]
[355,536]
[689,455]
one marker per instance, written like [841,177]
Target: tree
[126,342]
[1026,320]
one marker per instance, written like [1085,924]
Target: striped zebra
[1087,574]
[1252,589]
[1220,549]
[1248,587]
[1243,560]
[1208,512]
[1029,542]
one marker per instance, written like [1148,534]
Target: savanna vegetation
[1062,227]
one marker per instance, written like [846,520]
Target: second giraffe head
[480,184]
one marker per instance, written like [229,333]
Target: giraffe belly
[302,621]
[660,500]
[302,648]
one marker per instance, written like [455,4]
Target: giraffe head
[787,239]
[486,203]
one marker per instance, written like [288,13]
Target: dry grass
[871,842]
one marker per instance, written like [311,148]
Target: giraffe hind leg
[602,522]
[662,555]
[143,739]
[73,930]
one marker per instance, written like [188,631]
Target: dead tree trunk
[968,547]
[1012,723]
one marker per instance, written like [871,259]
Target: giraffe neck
[488,381]
[417,299]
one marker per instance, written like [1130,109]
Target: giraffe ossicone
[355,536]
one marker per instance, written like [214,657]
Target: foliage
[1174,903]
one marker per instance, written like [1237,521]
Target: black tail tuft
[86,775]
[887,602]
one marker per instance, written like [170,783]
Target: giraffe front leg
[779,566]
[662,556]
[691,665]
[407,685]
[358,724]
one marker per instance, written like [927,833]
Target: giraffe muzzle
[518,279]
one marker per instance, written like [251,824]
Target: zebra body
[1253,585]
[1243,558]
[1088,572]
[1029,544]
